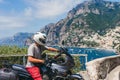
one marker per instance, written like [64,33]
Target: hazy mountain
[19,39]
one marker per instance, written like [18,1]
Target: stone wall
[99,69]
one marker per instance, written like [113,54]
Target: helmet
[40,38]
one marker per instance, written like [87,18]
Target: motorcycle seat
[19,67]
[21,70]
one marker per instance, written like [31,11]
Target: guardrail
[5,58]
[23,57]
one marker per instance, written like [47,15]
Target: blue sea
[92,53]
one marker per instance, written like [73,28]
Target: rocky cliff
[107,68]
[93,23]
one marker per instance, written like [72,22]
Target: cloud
[28,11]
[35,9]
[31,13]
[49,8]
[7,22]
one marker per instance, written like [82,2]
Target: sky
[32,15]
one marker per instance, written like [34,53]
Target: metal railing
[23,58]
[13,59]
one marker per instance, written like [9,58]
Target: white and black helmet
[40,38]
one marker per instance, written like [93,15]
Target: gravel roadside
[84,75]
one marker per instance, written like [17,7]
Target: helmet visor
[42,40]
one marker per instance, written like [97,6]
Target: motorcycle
[51,70]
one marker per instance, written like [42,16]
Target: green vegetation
[105,19]
[69,22]
[6,51]
[90,43]
[12,50]
[77,66]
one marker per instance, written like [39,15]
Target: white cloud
[7,22]
[50,8]
[33,12]
[28,11]
[37,9]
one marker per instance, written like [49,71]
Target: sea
[92,53]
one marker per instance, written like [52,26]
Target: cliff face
[107,68]
[94,23]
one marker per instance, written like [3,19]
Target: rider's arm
[52,49]
[34,60]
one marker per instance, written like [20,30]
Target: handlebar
[62,50]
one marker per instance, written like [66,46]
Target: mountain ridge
[90,24]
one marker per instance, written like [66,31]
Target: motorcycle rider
[34,55]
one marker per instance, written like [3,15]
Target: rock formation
[101,69]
